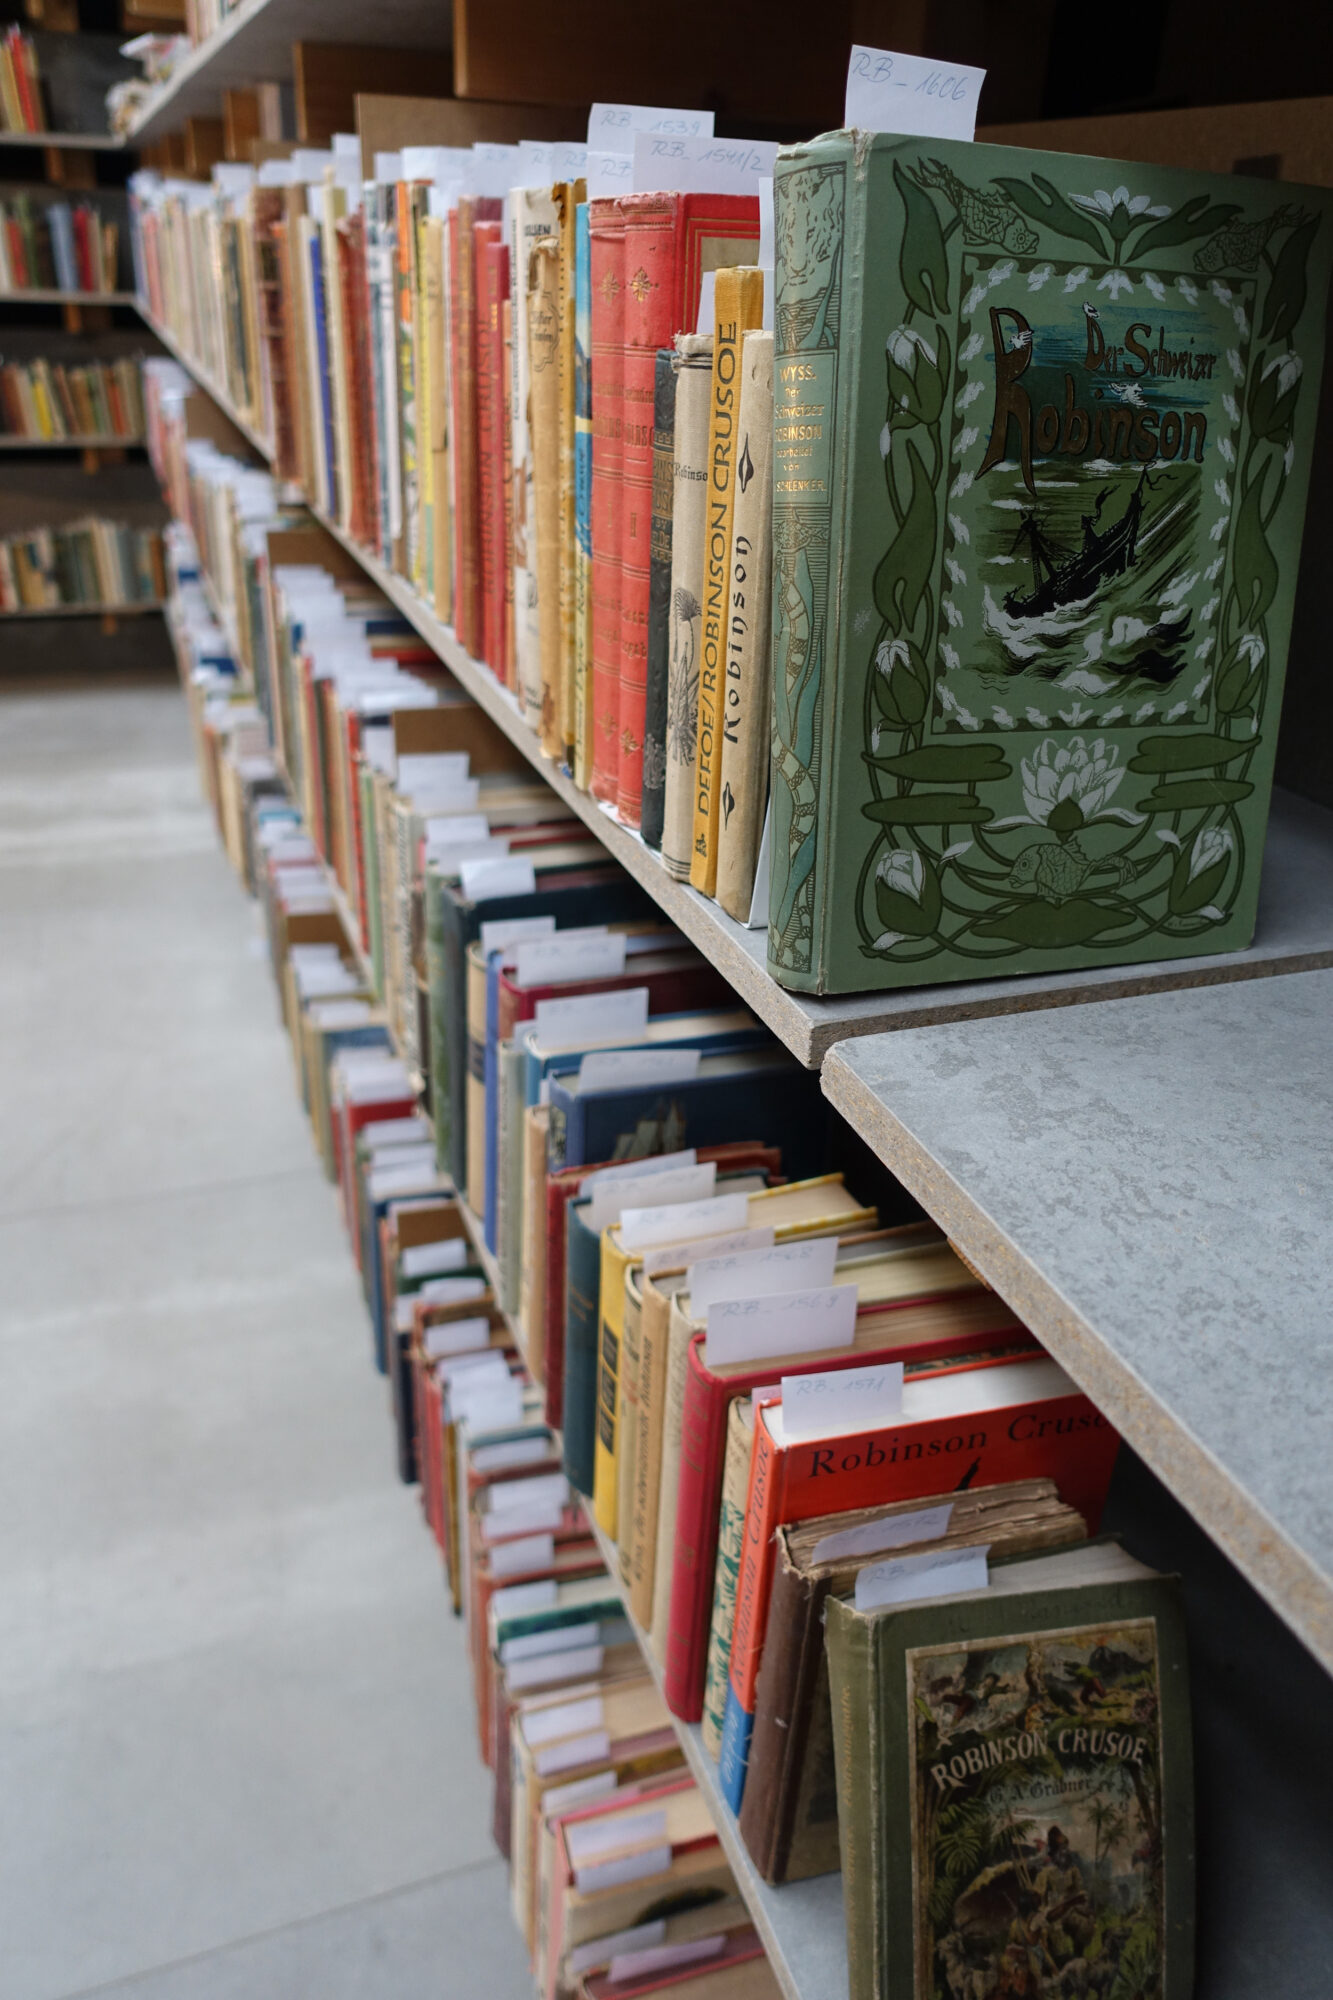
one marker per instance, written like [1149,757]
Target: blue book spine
[583,1291]
[775,1106]
[734,1756]
[322,351]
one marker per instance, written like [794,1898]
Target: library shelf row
[136,610]
[256,40]
[1262,1901]
[1294,931]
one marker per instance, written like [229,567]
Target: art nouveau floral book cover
[1043,430]
[1024,1823]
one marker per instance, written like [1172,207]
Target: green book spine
[509,1174]
[1040,464]
[856,1728]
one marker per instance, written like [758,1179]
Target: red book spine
[558,1196]
[606,259]
[454,337]
[463,374]
[665,238]
[492,291]
[679,989]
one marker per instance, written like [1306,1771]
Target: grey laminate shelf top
[1149,1183]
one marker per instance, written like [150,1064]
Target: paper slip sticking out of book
[615,1833]
[641,1228]
[564,1718]
[429,767]
[421,1260]
[511,1452]
[525,1552]
[913,95]
[563,1798]
[562,1639]
[600,1950]
[459,1336]
[598,1016]
[518,1599]
[705,165]
[550,960]
[614,125]
[663,1958]
[895,1531]
[674,1188]
[909,1579]
[553,1669]
[679,1256]
[754,1329]
[508,1494]
[795,1267]
[486,881]
[451,1291]
[573,1751]
[501,932]
[637,1069]
[626,1868]
[826,1404]
[654,1163]
[537,1518]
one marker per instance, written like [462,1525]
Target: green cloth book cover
[1043,431]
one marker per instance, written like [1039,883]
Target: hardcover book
[1015,1784]
[689,521]
[659,599]
[1043,436]
[606,268]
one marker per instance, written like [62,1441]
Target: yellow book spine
[738,306]
[606,1479]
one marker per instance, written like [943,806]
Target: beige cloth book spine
[739,304]
[567,196]
[680,1329]
[543,326]
[627,1415]
[689,514]
[746,719]
[532,222]
[650,1402]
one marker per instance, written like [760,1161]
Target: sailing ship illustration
[1060,576]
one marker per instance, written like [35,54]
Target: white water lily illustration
[1104,204]
[902,344]
[1211,845]
[901,869]
[1079,777]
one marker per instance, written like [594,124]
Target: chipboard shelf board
[1294,931]
[47,298]
[1149,1185]
[254,45]
[67,142]
[93,443]
[83,610]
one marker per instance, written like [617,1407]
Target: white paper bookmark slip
[909,1579]
[753,1329]
[913,95]
[837,1400]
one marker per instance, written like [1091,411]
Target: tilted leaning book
[1043,430]
[1015,1784]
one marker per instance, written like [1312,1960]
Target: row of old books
[94,562]
[615,1275]
[57,246]
[21,105]
[1015,631]
[51,400]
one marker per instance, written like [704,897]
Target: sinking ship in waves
[1059,577]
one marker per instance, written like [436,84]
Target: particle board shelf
[55,298]
[93,443]
[1294,931]
[67,142]
[210,386]
[83,610]
[255,43]
[1149,1184]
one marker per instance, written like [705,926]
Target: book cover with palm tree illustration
[1043,428]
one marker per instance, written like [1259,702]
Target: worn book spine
[507,474]
[791,1682]
[423,575]
[475,1182]
[467,491]
[746,707]
[689,517]
[627,1442]
[583,1254]
[384,334]
[659,601]
[543,323]
[510,1181]
[739,303]
[532,1279]
[575,414]
[668,1497]
[606,266]
[730,1533]
[437,418]
[857,1723]
[405,272]
[654,1323]
[533,222]
[577,696]
[616,1263]
[492,271]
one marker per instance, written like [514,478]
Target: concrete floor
[237,1753]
